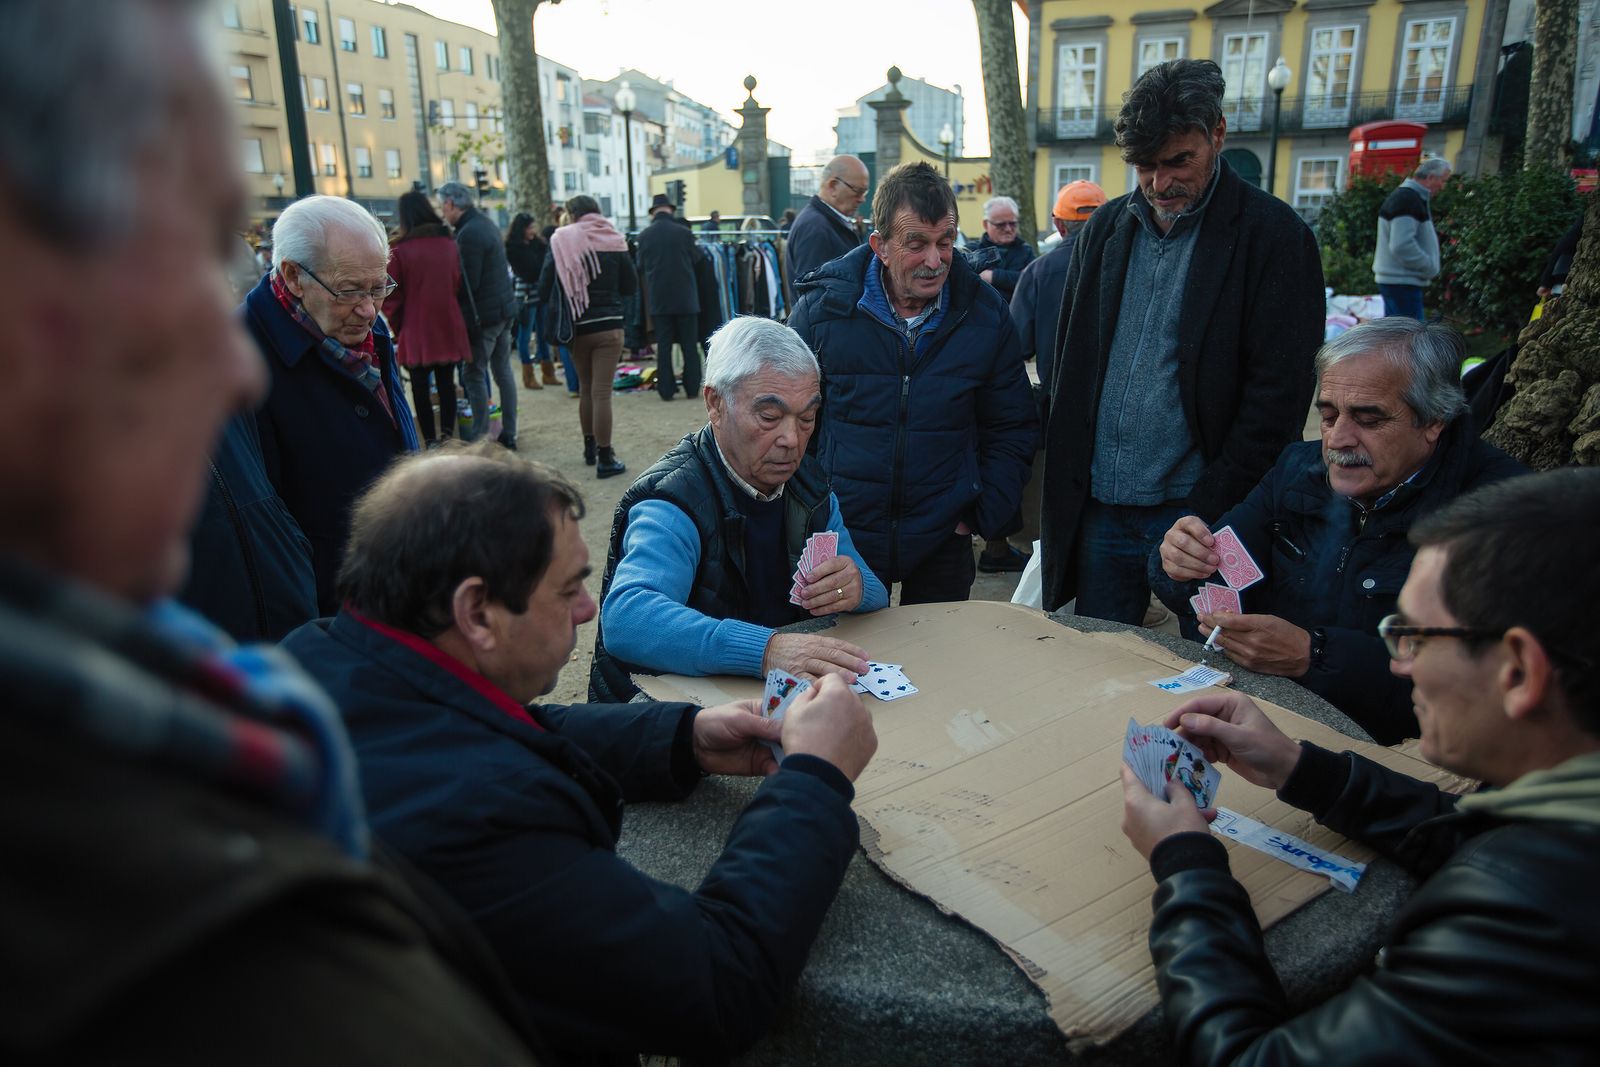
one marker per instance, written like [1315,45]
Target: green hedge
[1495,233]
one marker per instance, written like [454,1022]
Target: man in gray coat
[1407,256]
[667,254]
[490,311]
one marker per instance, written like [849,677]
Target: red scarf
[359,362]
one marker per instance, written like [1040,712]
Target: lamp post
[626,101]
[1278,79]
[278,182]
[947,137]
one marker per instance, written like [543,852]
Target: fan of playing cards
[819,547]
[1237,568]
[1157,756]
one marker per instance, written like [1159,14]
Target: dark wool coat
[1253,314]
[667,254]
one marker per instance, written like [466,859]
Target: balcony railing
[1436,107]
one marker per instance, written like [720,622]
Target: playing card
[889,684]
[1221,598]
[1238,567]
[824,546]
[781,689]
[874,668]
[1157,756]
[1197,604]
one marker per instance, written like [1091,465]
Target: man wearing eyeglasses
[1496,956]
[337,413]
[1328,523]
[825,229]
[1011,251]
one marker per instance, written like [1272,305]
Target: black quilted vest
[692,478]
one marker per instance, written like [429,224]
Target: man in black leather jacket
[1496,956]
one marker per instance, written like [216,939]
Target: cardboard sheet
[995,793]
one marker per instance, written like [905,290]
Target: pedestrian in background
[562,352]
[1407,255]
[424,312]
[1011,252]
[526,251]
[490,314]
[590,259]
[667,260]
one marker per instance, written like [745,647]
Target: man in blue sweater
[704,544]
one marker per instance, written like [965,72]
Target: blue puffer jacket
[914,443]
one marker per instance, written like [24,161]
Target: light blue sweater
[648,621]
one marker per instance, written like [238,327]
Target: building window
[391,162]
[243,88]
[605,205]
[347,35]
[1078,99]
[492,67]
[562,84]
[254,161]
[471,112]
[1316,180]
[1330,74]
[318,100]
[309,18]
[386,103]
[357,97]
[441,55]
[330,161]
[1073,172]
[1424,69]
[1154,51]
[464,59]
[447,113]
[232,18]
[380,43]
[1244,68]
[363,161]
[505,174]
[570,180]
[592,156]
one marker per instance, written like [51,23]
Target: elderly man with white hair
[336,415]
[1010,253]
[703,545]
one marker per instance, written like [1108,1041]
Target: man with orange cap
[1036,304]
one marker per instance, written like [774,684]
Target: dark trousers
[1402,300]
[946,575]
[444,380]
[1114,546]
[684,330]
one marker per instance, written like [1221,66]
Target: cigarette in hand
[1211,642]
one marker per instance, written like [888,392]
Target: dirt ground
[645,427]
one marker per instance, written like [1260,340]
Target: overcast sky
[810,57]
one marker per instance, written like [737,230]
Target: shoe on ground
[1013,560]
[507,442]
[609,466]
[548,373]
[528,380]
[588,450]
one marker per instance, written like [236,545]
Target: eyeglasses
[353,296]
[1005,225]
[847,185]
[1404,640]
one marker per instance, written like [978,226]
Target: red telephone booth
[1379,147]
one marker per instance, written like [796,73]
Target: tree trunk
[1010,162]
[527,161]
[1554,418]
[1555,59]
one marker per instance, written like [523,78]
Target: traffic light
[675,191]
[480,178]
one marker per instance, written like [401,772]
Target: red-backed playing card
[1238,567]
[1221,598]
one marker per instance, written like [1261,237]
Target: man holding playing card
[1327,524]
[1496,956]
[734,534]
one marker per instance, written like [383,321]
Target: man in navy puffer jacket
[928,422]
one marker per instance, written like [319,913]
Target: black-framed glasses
[353,296]
[1403,640]
[847,185]
[1004,225]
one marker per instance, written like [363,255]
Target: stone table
[893,980]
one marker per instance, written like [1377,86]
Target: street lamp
[1278,79]
[947,137]
[626,101]
[278,182]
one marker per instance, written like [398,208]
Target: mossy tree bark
[1555,61]
[527,161]
[1010,161]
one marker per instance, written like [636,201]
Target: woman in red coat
[425,311]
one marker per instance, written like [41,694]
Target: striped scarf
[359,364]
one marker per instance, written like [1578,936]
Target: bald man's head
[844,184]
[440,517]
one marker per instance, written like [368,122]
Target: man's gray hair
[86,91]
[1430,351]
[1432,167]
[748,345]
[457,194]
[999,201]
[301,232]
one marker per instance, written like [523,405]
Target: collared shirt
[846,219]
[911,327]
[754,493]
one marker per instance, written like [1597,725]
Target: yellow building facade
[1351,62]
[391,96]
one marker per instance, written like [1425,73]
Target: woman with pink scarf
[588,268]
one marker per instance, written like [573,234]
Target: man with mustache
[1328,523]
[928,422]
[1183,366]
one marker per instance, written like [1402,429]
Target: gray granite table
[892,980]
